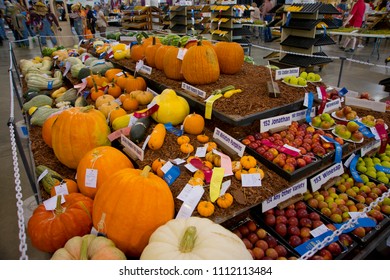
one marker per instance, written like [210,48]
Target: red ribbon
[280,148]
[147,113]
[380,128]
[323,102]
[206,170]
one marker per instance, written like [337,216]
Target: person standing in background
[77,20]
[101,21]
[91,19]
[255,16]
[3,35]
[354,19]
[267,17]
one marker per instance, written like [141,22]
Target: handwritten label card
[91,177]
[193,90]
[251,180]
[190,202]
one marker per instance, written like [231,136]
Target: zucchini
[38,101]
[50,180]
[138,130]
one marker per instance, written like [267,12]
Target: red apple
[295,241]
[317,223]
[270,220]
[282,251]
[359,232]
[302,213]
[261,233]
[314,216]
[290,213]
[258,253]
[253,145]
[247,243]
[305,232]
[269,156]
[271,241]
[335,249]
[281,219]
[251,225]
[262,244]
[243,230]
[271,253]
[300,205]
[288,167]
[252,237]
[293,230]
[325,254]
[345,239]
[251,138]
[293,221]
[281,229]
[279,212]
[305,222]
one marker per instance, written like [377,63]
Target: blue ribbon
[169,127]
[324,27]
[102,55]
[382,168]
[352,168]
[50,85]
[172,175]
[308,245]
[338,149]
[309,107]
[343,91]
[361,222]
[364,130]
[288,18]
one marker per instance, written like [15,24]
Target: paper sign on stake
[225,186]
[190,202]
[231,142]
[185,192]
[320,179]
[51,203]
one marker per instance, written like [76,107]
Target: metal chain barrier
[352,222]
[18,188]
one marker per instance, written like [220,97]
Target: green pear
[383,179]
[303,75]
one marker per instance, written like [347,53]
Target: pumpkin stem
[145,171]
[59,210]
[84,250]
[93,81]
[86,108]
[187,242]
[154,40]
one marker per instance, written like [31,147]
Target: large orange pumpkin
[230,57]
[159,59]
[134,203]
[193,124]
[50,230]
[195,43]
[137,52]
[106,160]
[123,79]
[76,131]
[46,129]
[150,53]
[172,65]
[200,65]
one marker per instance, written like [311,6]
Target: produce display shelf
[299,42]
[308,8]
[305,61]
[303,24]
[323,40]
[242,32]
[328,9]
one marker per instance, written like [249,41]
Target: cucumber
[138,130]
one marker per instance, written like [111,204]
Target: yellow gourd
[157,137]
[172,108]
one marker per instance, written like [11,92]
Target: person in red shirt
[355,19]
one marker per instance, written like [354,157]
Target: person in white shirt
[255,15]
[101,22]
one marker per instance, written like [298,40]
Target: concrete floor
[357,77]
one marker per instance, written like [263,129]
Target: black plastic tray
[328,9]
[299,42]
[290,251]
[305,61]
[329,157]
[303,24]
[323,40]
[296,175]
[258,218]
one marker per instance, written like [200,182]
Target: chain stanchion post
[341,70]
[14,62]
[39,42]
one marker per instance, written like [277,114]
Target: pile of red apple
[295,223]
[332,94]
[346,113]
[301,136]
[261,244]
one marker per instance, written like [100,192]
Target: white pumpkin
[194,239]
[89,247]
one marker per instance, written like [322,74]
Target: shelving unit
[301,34]
[178,19]
[137,19]
[188,20]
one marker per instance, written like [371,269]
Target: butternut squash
[157,137]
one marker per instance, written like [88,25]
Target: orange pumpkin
[50,230]
[98,79]
[195,43]
[130,103]
[116,113]
[106,160]
[138,194]
[71,185]
[136,83]
[156,167]
[149,40]
[46,129]
[77,131]
[114,90]
[137,52]
[193,124]
[121,81]
[106,108]
[159,59]
[186,148]
[150,52]
[103,99]
[202,138]
[200,65]
[230,57]
[172,65]
[111,74]
[96,93]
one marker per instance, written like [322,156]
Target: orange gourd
[129,103]
[225,201]
[186,148]
[195,43]
[77,131]
[137,52]
[157,137]
[150,52]
[49,230]
[116,113]
[111,74]
[183,139]
[156,166]
[159,59]
[103,99]
[135,203]
[200,65]
[114,90]
[106,108]
[46,129]
[193,124]
[122,80]
[202,138]
[172,65]
[205,208]
[135,83]
[106,160]
[230,57]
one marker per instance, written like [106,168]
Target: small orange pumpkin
[225,201]
[111,74]
[193,124]
[186,148]
[130,103]
[211,146]
[248,162]
[256,169]
[114,90]
[135,83]
[103,99]
[205,208]
[116,113]
[156,167]
[239,173]
[199,174]
[202,138]
[195,181]
[183,139]
[208,164]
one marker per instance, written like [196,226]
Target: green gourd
[138,130]
[51,179]
[37,101]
